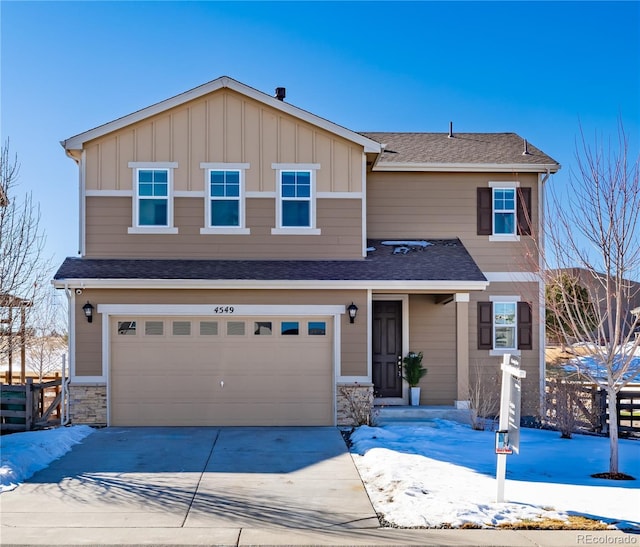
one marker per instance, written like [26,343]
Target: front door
[387,348]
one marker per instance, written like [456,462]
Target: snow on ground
[418,475]
[23,454]
[590,364]
[437,473]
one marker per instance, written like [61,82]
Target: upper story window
[504,211]
[296,200]
[225,201]
[153,197]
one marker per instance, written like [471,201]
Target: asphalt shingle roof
[465,148]
[441,260]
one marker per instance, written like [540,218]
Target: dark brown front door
[387,348]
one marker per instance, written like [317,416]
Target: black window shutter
[524,211]
[525,326]
[485,325]
[485,211]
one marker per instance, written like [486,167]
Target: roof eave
[467,167]
[77,142]
[382,284]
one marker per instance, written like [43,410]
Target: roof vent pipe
[450,130]
[525,152]
[281,93]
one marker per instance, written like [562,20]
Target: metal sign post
[508,435]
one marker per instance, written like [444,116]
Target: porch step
[386,415]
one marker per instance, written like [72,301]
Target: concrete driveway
[226,478]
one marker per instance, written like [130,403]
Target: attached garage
[241,370]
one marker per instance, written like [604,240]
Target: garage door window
[317,328]
[153,328]
[182,328]
[235,328]
[126,328]
[290,328]
[208,328]
[262,328]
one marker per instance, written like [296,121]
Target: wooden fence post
[28,404]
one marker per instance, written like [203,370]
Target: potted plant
[413,372]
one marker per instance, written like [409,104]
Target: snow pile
[592,365]
[444,475]
[23,454]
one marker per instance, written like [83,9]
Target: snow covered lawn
[444,475]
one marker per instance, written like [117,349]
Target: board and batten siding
[88,340]
[224,126]
[442,206]
[108,219]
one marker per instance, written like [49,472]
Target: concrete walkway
[220,486]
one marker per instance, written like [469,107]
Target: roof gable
[77,142]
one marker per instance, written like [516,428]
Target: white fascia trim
[376,285]
[461,297]
[80,380]
[515,277]
[206,310]
[82,218]
[76,142]
[363,214]
[339,195]
[109,193]
[271,195]
[468,167]
[362,380]
[153,164]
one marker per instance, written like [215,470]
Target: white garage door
[221,371]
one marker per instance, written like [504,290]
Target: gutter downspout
[542,286]
[66,417]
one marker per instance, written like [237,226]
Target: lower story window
[505,325]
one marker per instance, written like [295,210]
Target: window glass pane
[304,185]
[181,328]
[225,213]
[145,176]
[145,189]
[153,328]
[235,328]
[233,189]
[288,177]
[296,213]
[290,328]
[160,189]
[233,177]
[504,313]
[216,177]
[153,212]
[127,327]
[317,328]
[288,191]
[505,338]
[208,328]
[504,223]
[262,328]
[160,176]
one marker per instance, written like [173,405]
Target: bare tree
[22,266]
[592,240]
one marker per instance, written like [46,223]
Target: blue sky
[539,69]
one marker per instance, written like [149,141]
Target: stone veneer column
[88,404]
[354,403]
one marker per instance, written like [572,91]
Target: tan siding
[89,335]
[432,331]
[223,127]
[443,205]
[108,219]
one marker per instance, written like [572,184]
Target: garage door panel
[221,379]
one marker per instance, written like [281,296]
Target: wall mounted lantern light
[88,311]
[353,311]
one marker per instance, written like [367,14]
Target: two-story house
[241,260]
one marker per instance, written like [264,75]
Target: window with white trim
[225,198]
[296,199]
[504,325]
[504,211]
[153,197]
